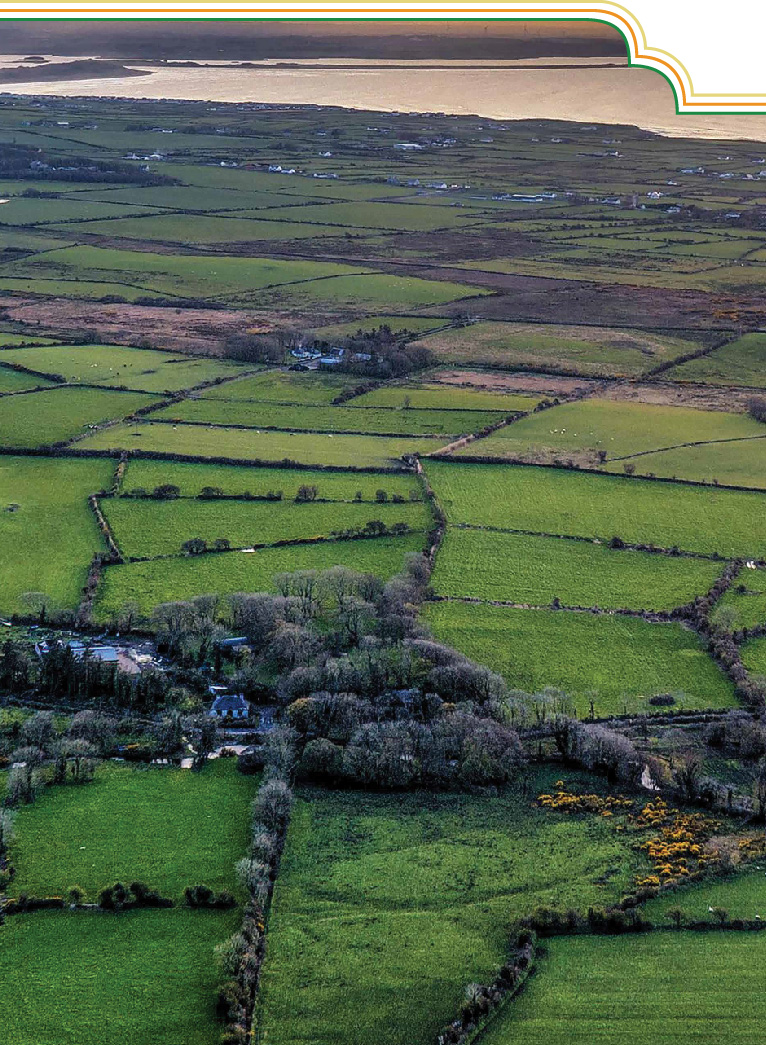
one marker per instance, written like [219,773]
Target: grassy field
[149,583]
[58,414]
[618,661]
[139,368]
[508,567]
[279,386]
[741,362]
[742,894]
[370,451]
[191,477]
[242,280]
[754,656]
[639,991]
[370,420]
[556,501]
[167,827]
[403,324]
[618,429]
[236,227]
[15,340]
[20,211]
[393,216]
[16,381]
[373,291]
[52,524]
[445,397]
[748,605]
[590,350]
[182,276]
[741,462]
[414,901]
[147,977]
[146,528]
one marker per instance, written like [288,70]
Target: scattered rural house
[229,706]
[233,643]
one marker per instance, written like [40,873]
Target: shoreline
[250,106]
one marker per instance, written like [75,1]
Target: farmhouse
[229,706]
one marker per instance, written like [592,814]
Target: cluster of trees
[55,753]
[391,355]
[71,758]
[267,347]
[598,749]
[457,748]
[34,164]
[756,407]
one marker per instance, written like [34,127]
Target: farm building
[229,706]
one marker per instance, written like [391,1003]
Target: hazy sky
[283,38]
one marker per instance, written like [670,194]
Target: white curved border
[722,52]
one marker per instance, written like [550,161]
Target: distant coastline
[606,91]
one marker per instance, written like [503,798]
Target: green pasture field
[139,368]
[445,397]
[415,900]
[147,528]
[72,287]
[639,990]
[147,977]
[279,386]
[754,656]
[655,271]
[150,583]
[370,290]
[748,606]
[167,827]
[584,350]
[618,662]
[58,414]
[369,421]
[187,198]
[616,428]
[180,276]
[16,340]
[741,362]
[194,229]
[20,211]
[742,894]
[399,324]
[410,217]
[561,502]
[505,567]
[46,545]
[16,381]
[291,187]
[741,462]
[372,451]
[191,477]
[236,279]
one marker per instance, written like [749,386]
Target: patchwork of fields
[413,902]
[239,344]
[167,828]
